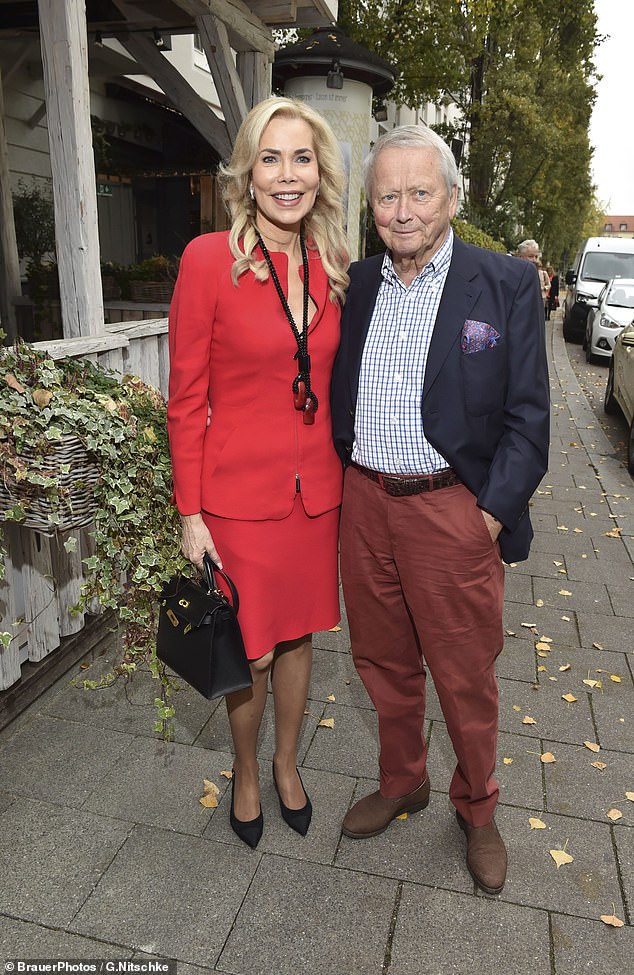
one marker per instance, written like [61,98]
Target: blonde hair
[322,227]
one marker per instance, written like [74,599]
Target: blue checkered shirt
[388,429]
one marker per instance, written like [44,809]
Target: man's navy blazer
[486,411]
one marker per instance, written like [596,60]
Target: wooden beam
[179,91]
[275,11]
[215,42]
[254,70]
[246,30]
[64,56]
[10,286]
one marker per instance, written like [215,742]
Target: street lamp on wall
[334,79]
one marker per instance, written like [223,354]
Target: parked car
[619,392]
[615,310]
[598,260]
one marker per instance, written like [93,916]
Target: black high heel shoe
[297,819]
[248,830]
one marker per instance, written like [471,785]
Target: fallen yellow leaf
[528,720]
[561,528]
[592,683]
[557,563]
[535,823]
[331,697]
[615,678]
[614,814]
[612,920]
[592,745]
[564,667]
[564,592]
[560,857]
[566,618]
[542,645]
[547,758]
[630,796]
[597,646]
[227,773]
[615,533]
[516,707]
[210,795]
[541,669]
[599,765]
[539,602]
[327,723]
[509,761]
[569,697]
[529,625]
[402,816]
[542,653]
[335,629]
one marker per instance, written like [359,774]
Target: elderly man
[528,250]
[441,417]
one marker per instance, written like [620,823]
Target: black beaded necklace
[303,396]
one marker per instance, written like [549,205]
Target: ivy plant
[121,423]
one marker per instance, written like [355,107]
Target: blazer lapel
[459,295]
[360,314]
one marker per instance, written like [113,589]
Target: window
[622,226]
[608,228]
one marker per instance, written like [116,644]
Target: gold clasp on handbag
[184,603]
[187,628]
[172,617]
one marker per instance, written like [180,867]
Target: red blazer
[231,348]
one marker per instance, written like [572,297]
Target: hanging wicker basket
[73,505]
[152,291]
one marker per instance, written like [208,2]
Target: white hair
[411,137]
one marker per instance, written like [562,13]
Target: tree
[522,73]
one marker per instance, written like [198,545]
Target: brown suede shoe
[486,855]
[373,814]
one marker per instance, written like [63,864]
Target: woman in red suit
[254,328]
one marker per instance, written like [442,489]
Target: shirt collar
[438,265]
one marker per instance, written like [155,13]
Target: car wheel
[610,404]
[630,449]
[589,356]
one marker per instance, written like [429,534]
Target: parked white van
[597,261]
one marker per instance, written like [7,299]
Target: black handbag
[199,636]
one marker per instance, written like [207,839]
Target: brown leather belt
[401,486]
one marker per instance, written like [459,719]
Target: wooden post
[40,599]
[215,42]
[254,70]
[10,287]
[10,655]
[64,55]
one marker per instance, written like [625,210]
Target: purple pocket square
[477,336]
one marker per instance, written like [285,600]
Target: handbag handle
[209,571]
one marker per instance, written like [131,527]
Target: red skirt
[285,572]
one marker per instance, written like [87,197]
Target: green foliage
[122,426]
[474,235]
[34,224]
[521,72]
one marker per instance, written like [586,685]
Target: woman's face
[285,175]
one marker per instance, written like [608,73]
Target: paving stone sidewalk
[106,852]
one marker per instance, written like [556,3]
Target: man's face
[411,206]
[531,254]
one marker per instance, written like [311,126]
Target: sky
[612,126]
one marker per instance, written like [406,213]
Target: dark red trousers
[424,587]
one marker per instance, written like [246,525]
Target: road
[592,379]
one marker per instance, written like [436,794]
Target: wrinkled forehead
[405,167]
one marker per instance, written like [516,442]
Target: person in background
[553,292]
[254,329]
[528,250]
[441,418]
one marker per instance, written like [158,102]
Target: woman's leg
[290,680]
[245,710]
